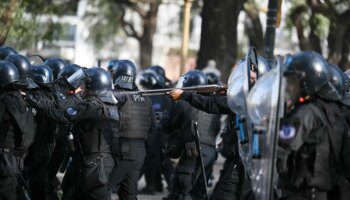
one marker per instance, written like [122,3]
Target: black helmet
[68,70]
[42,74]
[151,80]
[6,51]
[339,80]
[110,65]
[212,77]
[56,65]
[311,69]
[99,83]
[192,78]
[158,69]
[8,74]
[124,74]
[24,68]
[98,79]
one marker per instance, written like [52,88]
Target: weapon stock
[198,89]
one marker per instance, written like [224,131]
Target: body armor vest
[17,123]
[98,135]
[208,127]
[46,127]
[160,104]
[304,154]
[135,117]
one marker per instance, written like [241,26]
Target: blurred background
[150,32]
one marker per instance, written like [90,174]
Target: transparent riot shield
[239,86]
[265,108]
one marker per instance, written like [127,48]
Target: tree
[252,25]
[20,22]
[149,25]
[7,16]
[219,34]
[319,21]
[112,14]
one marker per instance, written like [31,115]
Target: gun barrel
[198,89]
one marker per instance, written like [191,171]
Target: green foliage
[323,24]
[104,22]
[294,10]
[26,29]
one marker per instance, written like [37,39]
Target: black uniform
[309,147]
[187,179]
[136,123]
[60,150]
[232,177]
[40,152]
[17,133]
[156,162]
[95,127]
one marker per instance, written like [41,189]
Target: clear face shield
[77,79]
[236,86]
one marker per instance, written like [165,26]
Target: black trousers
[152,168]
[231,181]
[36,169]
[10,172]
[126,172]
[187,181]
[89,178]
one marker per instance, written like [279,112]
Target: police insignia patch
[287,132]
[71,111]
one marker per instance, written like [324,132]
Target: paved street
[158,196]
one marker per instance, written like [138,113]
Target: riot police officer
[156,162]
[40,152]
[188,181]
[17,132]
[233,183]
[64,97]
[137,122]
[95,121]
[311,133]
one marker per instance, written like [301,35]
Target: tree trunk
[254,29]
[219,34]
[314,40]
[297,17]
[344,63]
[149,29]
[6,17]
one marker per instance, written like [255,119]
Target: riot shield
[265,108]
[239,86]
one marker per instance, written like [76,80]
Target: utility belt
[15,152]
[96,154]
[191,150]
[129,147]
[310,193]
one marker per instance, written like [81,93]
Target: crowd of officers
[94,125]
